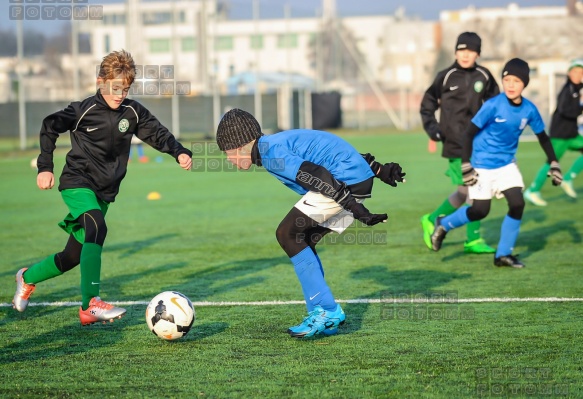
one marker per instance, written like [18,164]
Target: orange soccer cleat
[99,310]
[23,292]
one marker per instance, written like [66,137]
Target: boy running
[333,179]
[459,91]
[491,141]
[564,134]
[101,127]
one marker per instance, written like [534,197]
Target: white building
[203,45]
[546,37]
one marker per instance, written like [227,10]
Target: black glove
[389,173]
[555,173]
[469,174]
[370,159]
[435,136]
[362,214]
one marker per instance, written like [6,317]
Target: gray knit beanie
[237,128]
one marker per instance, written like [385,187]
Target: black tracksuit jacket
[564,121]
[459,93]
[100,140]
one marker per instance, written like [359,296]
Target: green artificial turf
[211,236]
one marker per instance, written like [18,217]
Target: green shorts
[563,145]
[454,171]
[79,201]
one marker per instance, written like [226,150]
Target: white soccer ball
[33,163]
[170,315]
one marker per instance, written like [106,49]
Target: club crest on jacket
[123,125]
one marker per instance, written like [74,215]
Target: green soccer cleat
[428,229]
[534,198]
[567,186]
[478,246]
[319,321]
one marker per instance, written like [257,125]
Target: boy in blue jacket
[333,179]
[492,141]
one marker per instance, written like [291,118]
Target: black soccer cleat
[508,261]
[438,235]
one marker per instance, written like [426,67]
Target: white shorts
[492,182]
[327,212]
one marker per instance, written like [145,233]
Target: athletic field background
[419,324]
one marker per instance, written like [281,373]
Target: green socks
[90,272]
[41,271]
[575,169]
[473,230]
[540,178]
[446,208]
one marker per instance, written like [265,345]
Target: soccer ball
[33,163]
[170,315]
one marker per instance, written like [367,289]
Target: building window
[289,40]
[114,19]
[159,45]
[107,44]
[156,18]
[188,44]
[256,42]
[224,43]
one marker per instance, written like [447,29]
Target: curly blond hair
[116,65]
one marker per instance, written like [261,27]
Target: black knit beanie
[469,41]
[237,128]
[519,68]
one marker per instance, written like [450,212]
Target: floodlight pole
[21,100]
[257,95]
[289,91]
[215,77]
[75,55]
[175,99]
[318,56]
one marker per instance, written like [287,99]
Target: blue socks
[309,271]
[320,264]
[456,219]
[508,236]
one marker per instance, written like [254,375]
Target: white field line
[449,301]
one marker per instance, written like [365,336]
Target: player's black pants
[298,231]
[480,208]
[93,222]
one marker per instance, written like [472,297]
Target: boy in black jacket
[459,91]
[564,134]
[102,127]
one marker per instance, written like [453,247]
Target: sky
[241,9]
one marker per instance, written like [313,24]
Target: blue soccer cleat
[319,321]
[297,328]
